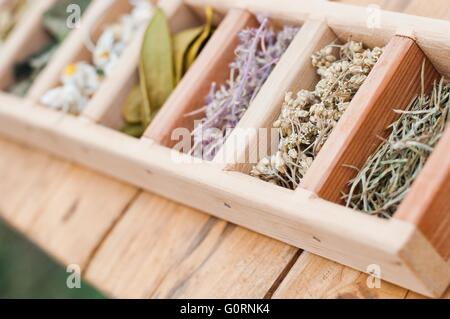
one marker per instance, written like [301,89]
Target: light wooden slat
[413,295]
[394,5]
[164,250]
[315,277]
[27,37]
[211,66]
[438,9]
[427,204]
[65,209]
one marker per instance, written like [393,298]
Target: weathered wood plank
[316,277]
[65,209]
[164,250]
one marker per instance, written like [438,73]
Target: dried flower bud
[306,120]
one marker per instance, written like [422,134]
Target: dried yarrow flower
[307,118]
[258,52]
[387,176]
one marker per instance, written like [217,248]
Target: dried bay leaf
[182,42]
[132,107]
[146,109]
[135,130]
[161,66]
[198,44]
[156,68]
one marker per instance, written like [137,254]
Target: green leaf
[182,42]
[135,130]
[55,18]
[156,68]
[132,107]
[198,44]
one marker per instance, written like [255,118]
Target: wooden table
[130,243]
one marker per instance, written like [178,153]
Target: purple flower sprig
[257,54]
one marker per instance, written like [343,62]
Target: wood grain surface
[134,244]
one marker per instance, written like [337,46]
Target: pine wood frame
[412,249]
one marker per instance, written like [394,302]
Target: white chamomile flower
[81,80]
[65,98]
[83,76]
[102,52]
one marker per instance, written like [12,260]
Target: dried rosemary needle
[388,174]
[308,117]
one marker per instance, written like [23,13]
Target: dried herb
[132,109]
[9,16]
[196,46]
[164,60]
[54,22]
[387,176]
[181,44]
[307,118]
[156,69]
[81,80]
[258,52]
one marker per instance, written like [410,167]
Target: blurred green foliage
[27,272]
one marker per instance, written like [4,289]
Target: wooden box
[411,250]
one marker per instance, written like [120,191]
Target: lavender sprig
[258,52]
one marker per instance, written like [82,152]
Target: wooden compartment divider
[427,205]
[211,66]
[27,37]
[411,249]
[392,84]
